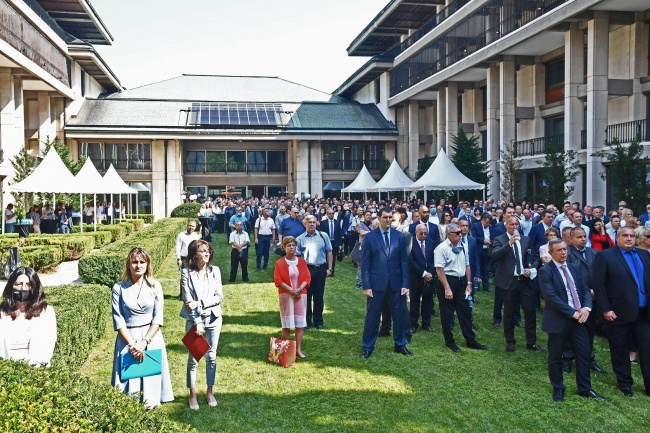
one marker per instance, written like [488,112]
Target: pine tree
[510,180]
[467,159]
[423,166]
[559,171]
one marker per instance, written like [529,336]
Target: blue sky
[300,40]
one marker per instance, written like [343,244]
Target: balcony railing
[351,164]
[628,131]
[536,146]
[123,164]
[24,37]
[448,49]
[235,167]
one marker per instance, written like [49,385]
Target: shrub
[106,265]
[129,226]
[41,258]
[102,237]
[9,235]
[72,247]
[57,400]
[117,231]
[147,217]
[138,224]
[187,210]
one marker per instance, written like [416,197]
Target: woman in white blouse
[27,322]
[445,220]
[202,294]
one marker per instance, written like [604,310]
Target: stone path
[67,273]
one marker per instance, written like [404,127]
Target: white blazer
[209,309]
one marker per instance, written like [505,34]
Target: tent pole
[137,214]
[119,204]
[81,212]
[2,205]
[95,211]
[113,207]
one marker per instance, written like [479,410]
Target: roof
[78,18]
[367,73]
[393,21]
[92,63]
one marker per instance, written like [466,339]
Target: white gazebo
[362,183]
[117,186]
[393,180]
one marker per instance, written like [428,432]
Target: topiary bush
[187,210]
[129,226]
[138,224]
[102,237]
[73,247]
[106,265]
[147,217]
[117,231]
[41,258]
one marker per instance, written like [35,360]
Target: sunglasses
[454,233]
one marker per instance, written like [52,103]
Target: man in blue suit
[332,227]
[384,271]
[568,305]
[538,231]
[644,217]
[483,232]
[500,228]
[422,278]
[434,233]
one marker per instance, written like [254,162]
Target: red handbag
[282,352]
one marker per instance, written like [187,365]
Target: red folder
[197,345]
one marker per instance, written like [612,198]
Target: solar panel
[237,114]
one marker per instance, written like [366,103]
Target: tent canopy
[393,180]
[444,175]
[362,183]
[115,184]
[51,175]
[89,181]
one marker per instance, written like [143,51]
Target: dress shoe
[404,351]
[428,329]
[520,324]
[319,326]
[496,325]
[476,345]
[558,394]
[384,333]
[598,368]
[414,330]
[537,348]
[566,368]
[510,347]
[627,392]
[435,314]
[476,300]
[366,354]
[474,327]
[454,348]
[592,394]
[301,357]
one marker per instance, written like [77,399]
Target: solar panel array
[237,114]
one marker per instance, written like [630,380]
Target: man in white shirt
[612,232]
[576,221]
[183,240]
[264,234]
[240,241]
[10,217]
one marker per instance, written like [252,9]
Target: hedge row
[146,217]
[72,247]
[107,265]
[40,258]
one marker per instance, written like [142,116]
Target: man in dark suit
[568,304]
[332,227]
[479,232]
[538,231]
[644,217]
[500,228]
[514,260]
[384,271]
[434,233]
[583,257]
[621,278]
[422,279]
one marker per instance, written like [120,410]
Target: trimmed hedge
[41,258]
[147,217]
[106,265]
[118,231]
[138,224]
[72,247]
[102,237]
[187,210]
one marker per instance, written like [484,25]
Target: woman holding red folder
[202,294]
[292,278]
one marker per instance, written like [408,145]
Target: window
[332,156]
[236,160]
[554,128]
[199,191]
[139,156]
[256,161]
[194,161]
[555,81]
[374,156]
[277,161]
[215,161]
[93,151]
[275,191]
[116,154]
[123,156]
[352,156]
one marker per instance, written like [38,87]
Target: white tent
[444,175]
[362,183]
[89,181]
[118,186]
[393,180]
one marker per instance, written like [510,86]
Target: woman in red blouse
[292,277]
[599,238]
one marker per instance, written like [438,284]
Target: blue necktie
[387,242]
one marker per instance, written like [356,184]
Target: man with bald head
[422,277]
[434,233]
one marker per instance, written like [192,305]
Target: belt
[264,235]
[519,277]
[139,326]
[316,266]
[454,277]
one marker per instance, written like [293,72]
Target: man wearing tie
[484,233]
[332,227]
[621,279]
[422,279]
[514,262]
[434,233]
[384,270]
[568,304]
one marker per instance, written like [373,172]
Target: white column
[316,177]
[414,138]
[539,97]
[573,107]
[174,175]
[301,167]
[441,114]
[291,166]
[158,179]
[432,150]
[45,130]
[19,113]
[493,132]
[452,114]
[638,67]
[402,150]
[507,85]
[10,146]
[597,93]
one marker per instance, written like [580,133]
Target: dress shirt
[182,241]
[423,247]
[238,218]
[454,265]
[526,225]
[292,227]
[330,226]
[239,238]
[521,257]
[385,233]
[486,235]
[265,226]
[582,226]
[566,285]
[612,234]
[636,266]
[313,248]
[279,218]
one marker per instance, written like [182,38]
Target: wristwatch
[148,340]
[329,269]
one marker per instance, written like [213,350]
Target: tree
[467,158]
[423,166]
[510,180]
[559,171]
[23,164]
[627,172]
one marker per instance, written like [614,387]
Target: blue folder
[151,365]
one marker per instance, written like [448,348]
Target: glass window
[332,156]
[374,156]
[256,161]
[236,160]
[194,161]
[275,191]
[215,161]
[277,161]
[139,156]
[555,73]
[216,191]
[94,151]
[199,191]
[219,113]
[116,154]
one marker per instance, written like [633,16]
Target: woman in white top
[27,322]
[445,220]
[202,294]
[551,233]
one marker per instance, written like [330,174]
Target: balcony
[627,132]
[235,167]
[123,164]
[24,37]
[351,164]
[536,146]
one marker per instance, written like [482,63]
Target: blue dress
[136,307]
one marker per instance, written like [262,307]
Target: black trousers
[235,261]
[458,303]
[315,293]
[567,355]
[422,304]
[520,292]
[578,336]
[618,333]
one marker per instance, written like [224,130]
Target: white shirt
[517,245]
[239,238]
[264,226]
[31,340]
[11,220]
[486,235]
[453,264]
[182,242]
[566,286]
[568,223]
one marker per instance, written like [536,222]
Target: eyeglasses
[455,233]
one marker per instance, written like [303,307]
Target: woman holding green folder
[138,306]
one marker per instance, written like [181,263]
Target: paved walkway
[67,273]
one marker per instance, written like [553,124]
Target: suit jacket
[614,285]
[644,217]
[434,233]
[575,256]
[503,253]
[418,264]
[500,229]
[378,268]
[345,225]
[473,253]
[536,237]
[476,230]
[337,238]
[209,308]
[557,312]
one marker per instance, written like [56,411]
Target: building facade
[521,72]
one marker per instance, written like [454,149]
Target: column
[432,149]
[291,167]
[507,101]
[402,150]
[316,175]
[441,114]
[638,67]
[573,106]
[10,146]
[174,175]
[45,130]
[493,129]
[302,167]
[158,179]
[452,115]
[73,145]
[414,138]
[539,97]
[597,71]
[19,114]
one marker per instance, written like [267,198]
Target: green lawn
[335,390]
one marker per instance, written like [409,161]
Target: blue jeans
[263,247]
[10,227]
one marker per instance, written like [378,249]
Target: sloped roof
[443,174]
[362,183]
[393,180]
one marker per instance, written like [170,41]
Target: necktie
[572,288]
[615,235]
[517,258]
[584,254]
[424,254]
[331,229]
[463,240]
[387,242]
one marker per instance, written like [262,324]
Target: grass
[334,390]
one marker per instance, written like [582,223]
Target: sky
[303,41]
